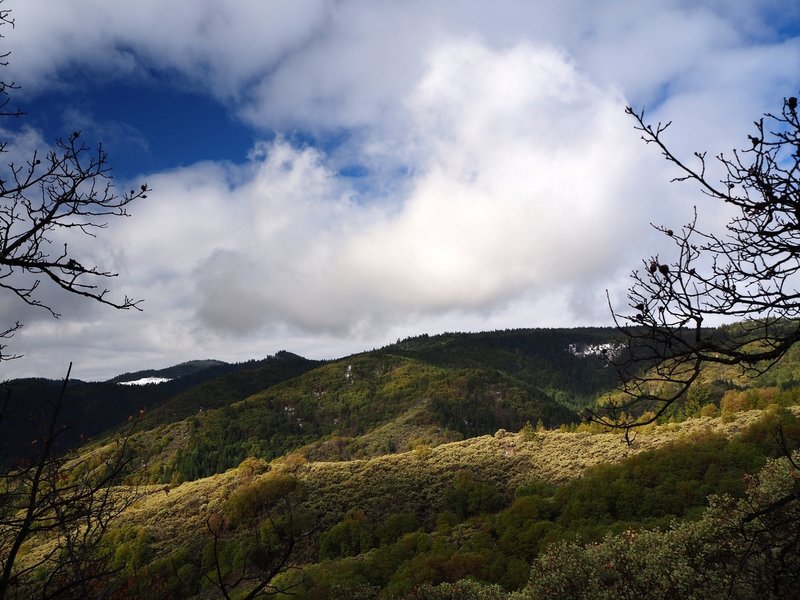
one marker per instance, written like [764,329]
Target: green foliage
[176,575]
[366,405]
[537,357]
[632,565]
[357,534]
[526,525]
[470,538]
[92,408]
[464,589]
[352,536]
[252,500]
[417,523]
[739,549]
[228,387]
[395,526]
[469,496]
[131,547]
[480,401]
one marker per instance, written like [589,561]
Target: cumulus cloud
[519,163]
[520,158]
[219,46]
[502,184]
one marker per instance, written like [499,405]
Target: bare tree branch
[48,202]
[265,559]
[749,273]
[69,505]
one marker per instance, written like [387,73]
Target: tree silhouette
[47,201]
[748,273]
[60,499]
[66,503]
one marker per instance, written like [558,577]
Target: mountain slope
[386,458]
[442,493]
[566,363]
[375,403]
[91,408]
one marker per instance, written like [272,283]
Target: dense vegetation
[91,408]
[399,475]
[421,391]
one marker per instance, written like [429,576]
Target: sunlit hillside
[430,462]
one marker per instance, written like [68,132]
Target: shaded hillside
[249,378]
[375,403]
[549,359]
[91,408]
[533,362]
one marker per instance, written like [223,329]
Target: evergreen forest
[450,466]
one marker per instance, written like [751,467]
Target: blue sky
[144,128]
[329,176]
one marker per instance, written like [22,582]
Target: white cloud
[219,46]
[504,185]
[520,161]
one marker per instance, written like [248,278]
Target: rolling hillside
[483,507]
[421,391]
[405,470]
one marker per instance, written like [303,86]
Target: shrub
[255,498]
[709,410]
[468,496]
[745,548]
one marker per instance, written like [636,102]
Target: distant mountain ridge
[92,408]
[180,370]
[469,384]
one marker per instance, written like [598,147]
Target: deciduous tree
[48,201]
[748,273]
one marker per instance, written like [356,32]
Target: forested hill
[91,408]
[449,466]
[425,390]
[540,360]
[567,363]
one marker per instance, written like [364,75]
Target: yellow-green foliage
[411,482]
[726,553]
[423,484]
[252,499]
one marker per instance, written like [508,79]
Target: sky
[329,176]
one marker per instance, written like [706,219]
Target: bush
[461,590]
[468,496]
[709,410]
[745,549]
[351,537]
[255,498]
